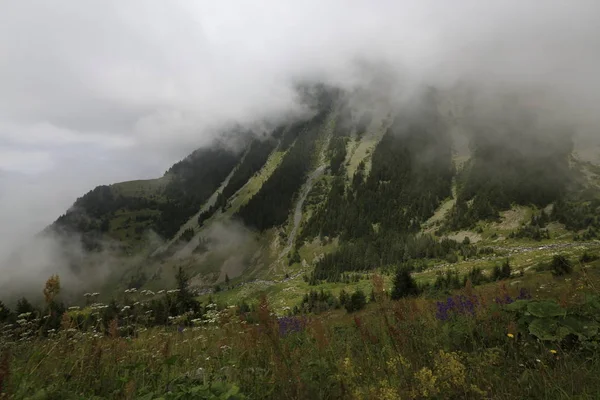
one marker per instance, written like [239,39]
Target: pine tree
[506,270]
[24,306]
[185,300]
[561,265]
[4,312]
[357,301]
[404,284]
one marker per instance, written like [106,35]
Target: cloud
[104,90]
[46,134]
[25,161]
[162,75]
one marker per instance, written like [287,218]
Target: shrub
[447,281]
[561,265]
[356,302]
[476,276]
[452,257]
[502,272]
[588,258]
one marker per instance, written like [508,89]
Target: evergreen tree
[561,265]
[295,258]
[160,311]
[185,299]
[502,272]
[404,284]
[506,270]
[357,301]
[24,307]
[109,314]
[5,313]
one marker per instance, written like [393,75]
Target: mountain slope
[352,187]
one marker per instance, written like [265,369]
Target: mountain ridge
[359,211]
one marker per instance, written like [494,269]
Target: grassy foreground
[535,338]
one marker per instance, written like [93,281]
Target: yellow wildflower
[426,383]
[449,370]
[553,351]
[510,335]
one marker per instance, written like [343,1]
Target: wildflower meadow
[536,339]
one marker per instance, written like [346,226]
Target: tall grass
[391,350]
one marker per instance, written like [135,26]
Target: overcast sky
[101,91]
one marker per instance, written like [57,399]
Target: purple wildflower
[457,305]
[289,325]
[506,299]
[442,311]
[524,294]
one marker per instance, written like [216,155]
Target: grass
[527,258]
[141,188]
[360,151]
[255,183]
[390,350]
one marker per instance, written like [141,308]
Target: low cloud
[103,91]
[35,259]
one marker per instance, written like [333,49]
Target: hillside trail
[298,210]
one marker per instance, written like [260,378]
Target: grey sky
[105,90]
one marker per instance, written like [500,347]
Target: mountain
[359,184]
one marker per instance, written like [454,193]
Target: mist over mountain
[354,166]
[359,129]
[339,199]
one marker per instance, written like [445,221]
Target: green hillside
[348,189]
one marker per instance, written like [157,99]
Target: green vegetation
[541,332]
[516,167]
[254,159]
[190,183]
[415,273]
[272,204]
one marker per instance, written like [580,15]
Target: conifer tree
[404,284]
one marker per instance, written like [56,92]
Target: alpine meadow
[360,200]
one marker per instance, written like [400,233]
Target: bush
[476,277]
[502,272]
[588,258]
[561,265]
[531,232]
[452,258]
[447,281]
[356,302]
